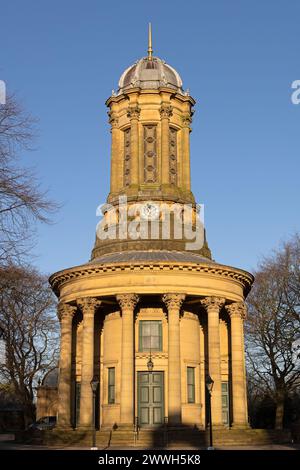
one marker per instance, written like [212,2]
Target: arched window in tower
[173,155]
[127,156]
[150,154]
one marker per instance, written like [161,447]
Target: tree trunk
[279,410]
[28,415]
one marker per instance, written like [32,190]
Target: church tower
[150,118]
[151,315]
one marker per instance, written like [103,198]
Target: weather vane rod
[150,50]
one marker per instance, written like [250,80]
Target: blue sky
[237,57]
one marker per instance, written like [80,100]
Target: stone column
[237,313]
[173,303]
[202,375]
[127,303]
[133,112]
[213,306]
[115,153]
[65,314]
[186,171]
[88,307]
[165,114]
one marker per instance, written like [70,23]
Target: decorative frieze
[150,154]
[173,155]
[127,156]
[59,279]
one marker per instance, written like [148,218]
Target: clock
[149,211]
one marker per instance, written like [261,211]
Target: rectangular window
[225,403]
[150,337]
[191,384]
[111,385]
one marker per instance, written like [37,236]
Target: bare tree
[30,332]
[22,202]
[273,326]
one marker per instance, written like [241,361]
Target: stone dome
[51,378]
[150,73]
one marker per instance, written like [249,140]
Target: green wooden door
[150,398]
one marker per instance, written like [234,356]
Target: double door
[150,399]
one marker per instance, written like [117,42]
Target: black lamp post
[94,387]
[209,385]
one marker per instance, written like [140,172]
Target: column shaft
[165,113]
[133,113]
[239,403]
[127,303]
[115,154]
[213,305]
[173,302]
[87,306]
[64,386]
[186,172]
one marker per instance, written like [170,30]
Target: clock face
[150,211]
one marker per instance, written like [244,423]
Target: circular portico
[198,308]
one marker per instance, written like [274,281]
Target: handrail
[136,429]
[166,440]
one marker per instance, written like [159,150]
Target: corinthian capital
[65,311]
[166,111]
[213,303]
[173,301]
[237,309]
[113,119]
[186,120]
[133,112]
[88,305]
[127,301]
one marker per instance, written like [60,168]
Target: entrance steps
[186,437]
[183,437]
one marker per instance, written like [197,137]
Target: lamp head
[150,365]
[94,384]
[209,383]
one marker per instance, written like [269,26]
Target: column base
[85,428]
[217,427]
[124,426]
[61,427]
[240,426]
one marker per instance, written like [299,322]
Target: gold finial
[150,50]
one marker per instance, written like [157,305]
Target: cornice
[89,270]
[143,91]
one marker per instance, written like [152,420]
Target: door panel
[144,416]
[157,398]
[144,394]
[151,398]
